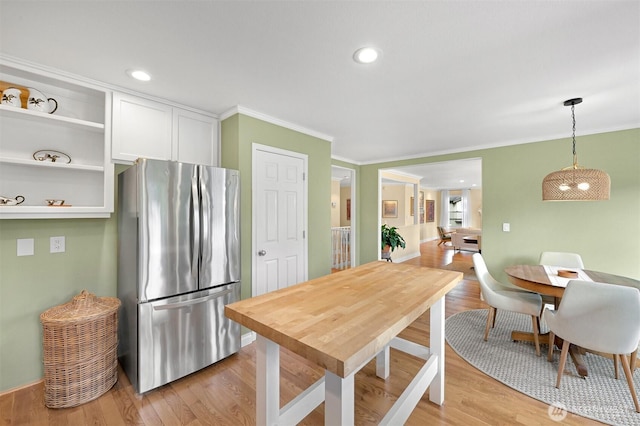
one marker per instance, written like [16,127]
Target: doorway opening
[343,218]
[446,194]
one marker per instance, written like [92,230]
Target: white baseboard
[402,259]
[247,338]
[429,239]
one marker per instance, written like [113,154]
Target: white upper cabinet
[195,138]
[144,128]
[141,128]
[58,163]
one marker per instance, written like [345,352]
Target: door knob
[262,253]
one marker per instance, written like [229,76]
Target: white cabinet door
[141,128]
[150,129]
[195,138]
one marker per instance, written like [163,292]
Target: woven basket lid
[83,306]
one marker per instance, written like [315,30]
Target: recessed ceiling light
[139,75]
[366,55]
[461,180]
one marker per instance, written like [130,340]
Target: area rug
[464,267]
[599,397]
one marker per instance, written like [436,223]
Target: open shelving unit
[79,128]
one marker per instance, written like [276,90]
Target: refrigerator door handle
[195,220]
[191,302]
[205,225]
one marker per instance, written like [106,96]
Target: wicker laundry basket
[80,340]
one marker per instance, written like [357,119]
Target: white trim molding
[247,338]
[273,120]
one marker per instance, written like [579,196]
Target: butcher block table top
[340,321]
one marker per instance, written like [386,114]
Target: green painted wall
[605,233]
[29,285]
[239,132]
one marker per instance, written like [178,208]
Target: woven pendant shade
[576,184]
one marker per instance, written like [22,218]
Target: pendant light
[576,183]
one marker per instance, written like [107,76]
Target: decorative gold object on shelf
[57,203]
[52,156]
[6,201]
[9,89]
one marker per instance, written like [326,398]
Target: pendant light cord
[573,116]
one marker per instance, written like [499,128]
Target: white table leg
[339,399]
[267,381]
[382,363]
[436,345]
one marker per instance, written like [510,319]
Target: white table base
[339,393]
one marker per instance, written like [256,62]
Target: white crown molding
[68,77]
[100,85]
[346,160]
[493,145]
[230,112]
[238,109]
[403,174]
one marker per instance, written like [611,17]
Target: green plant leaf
[390,237]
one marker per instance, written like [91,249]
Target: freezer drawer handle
[191,302]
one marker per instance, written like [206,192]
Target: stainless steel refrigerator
[178,265]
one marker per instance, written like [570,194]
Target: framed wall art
[430,210]
[390,208]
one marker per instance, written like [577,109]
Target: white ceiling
[458,174]
[453,75]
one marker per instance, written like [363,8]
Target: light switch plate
[506,227]
[24,247]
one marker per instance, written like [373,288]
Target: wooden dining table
[341,322]
[544,279]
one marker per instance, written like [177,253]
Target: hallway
[435,256]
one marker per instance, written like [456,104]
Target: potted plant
[390,239]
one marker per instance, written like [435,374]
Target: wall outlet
[56,245]
[506,227]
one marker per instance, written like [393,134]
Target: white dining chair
[599,317]
[499,296]
[572,260]
[557,258]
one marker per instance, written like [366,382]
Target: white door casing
[354,208]
[279,204]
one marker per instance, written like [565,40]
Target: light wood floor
[224,394]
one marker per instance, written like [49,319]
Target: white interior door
[279,219]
